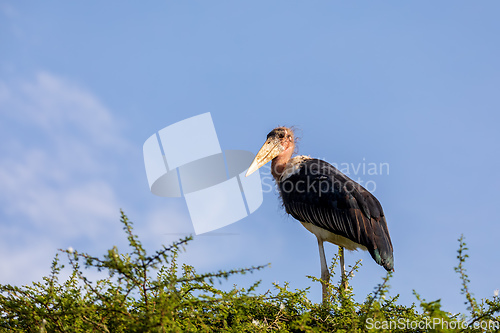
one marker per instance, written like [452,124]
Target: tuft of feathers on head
[291,131]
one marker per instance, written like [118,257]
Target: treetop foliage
[154,293]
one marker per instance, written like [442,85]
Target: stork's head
[278,147]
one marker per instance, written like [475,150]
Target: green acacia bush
[153,293]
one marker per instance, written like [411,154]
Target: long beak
[269,150]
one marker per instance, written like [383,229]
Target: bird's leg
[342,268]
[325,274]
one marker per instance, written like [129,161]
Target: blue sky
[413,84]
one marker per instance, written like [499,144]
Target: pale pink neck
[279,162]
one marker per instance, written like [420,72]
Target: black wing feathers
[322,195]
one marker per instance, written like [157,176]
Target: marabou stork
[328,203]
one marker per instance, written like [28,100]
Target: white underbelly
[328,236]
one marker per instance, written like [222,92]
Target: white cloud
[61,150]
[62,105]
[28,262]
[58,144]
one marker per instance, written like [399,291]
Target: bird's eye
[281,135]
